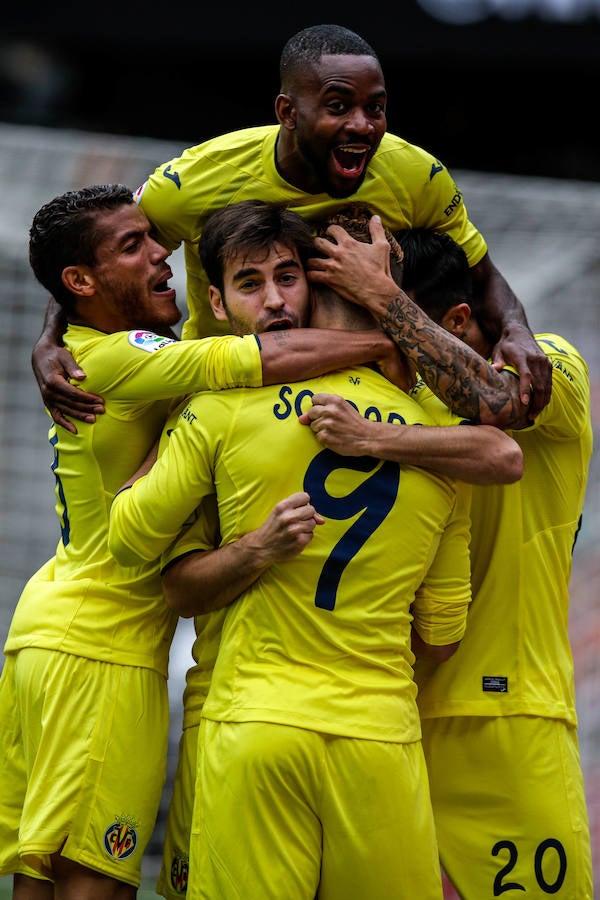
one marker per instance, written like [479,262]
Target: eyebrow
[288,263]
[124,237]
[337,87]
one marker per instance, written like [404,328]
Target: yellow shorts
[86,761]
[282,811]
[509,804]
[173,877]
[13,777]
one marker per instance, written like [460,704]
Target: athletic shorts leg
[13,775]
[509,804]
[378,830]
[256,834]
[95,743]
[173,877]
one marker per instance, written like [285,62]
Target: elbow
[126,543]
[129,553]
[180,606]
[123,554]
[503,458]
[178,598]
[442,653]
[513,463]
[512,466]
[437,653]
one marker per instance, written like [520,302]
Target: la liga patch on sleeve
[148,341]
[138,194]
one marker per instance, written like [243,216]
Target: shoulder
[568,364]
[554,345]
[106,358]
[394,150]
[230,143]
[425,187]
[568,412]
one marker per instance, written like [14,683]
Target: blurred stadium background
[489,87]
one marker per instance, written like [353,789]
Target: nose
[273,298]
[157,251]
[358,122]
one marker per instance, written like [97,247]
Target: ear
[456,319]
[285,111]
[79,281]
[216,303]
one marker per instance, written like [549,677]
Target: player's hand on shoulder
[517,347]
[53,367]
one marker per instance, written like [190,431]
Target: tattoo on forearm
[281,337]
[454,372]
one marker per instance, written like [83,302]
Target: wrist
[380,295]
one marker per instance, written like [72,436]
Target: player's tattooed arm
[456,373]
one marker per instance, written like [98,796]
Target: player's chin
[168,315]
[343,187]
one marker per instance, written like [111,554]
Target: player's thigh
[13,783]
[378,832]
[95,737]
[173,877]
[509,805]
[256,833]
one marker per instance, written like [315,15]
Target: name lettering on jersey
[148,341]
[295,402]
[435,168]
[188,416]
[454,203]
[560,367]
[172,176]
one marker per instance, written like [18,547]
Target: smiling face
[337,119]
[127,285]
[263,291]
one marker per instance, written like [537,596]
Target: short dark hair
[354,218]
[63,233]
[249,226]
[435,270]
[310,44]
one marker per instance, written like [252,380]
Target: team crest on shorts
[120,838]
[148,341]
[179,872]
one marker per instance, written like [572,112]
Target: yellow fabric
[509,806]
[92,794]
[295,648]
[349,817]
[85,603]
[173,876]
[405,184]
[515,657]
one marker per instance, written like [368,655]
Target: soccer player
[299,627]
[83,701]
[499,719]
[329,145]
[190,562]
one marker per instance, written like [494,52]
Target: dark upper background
[511,91]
